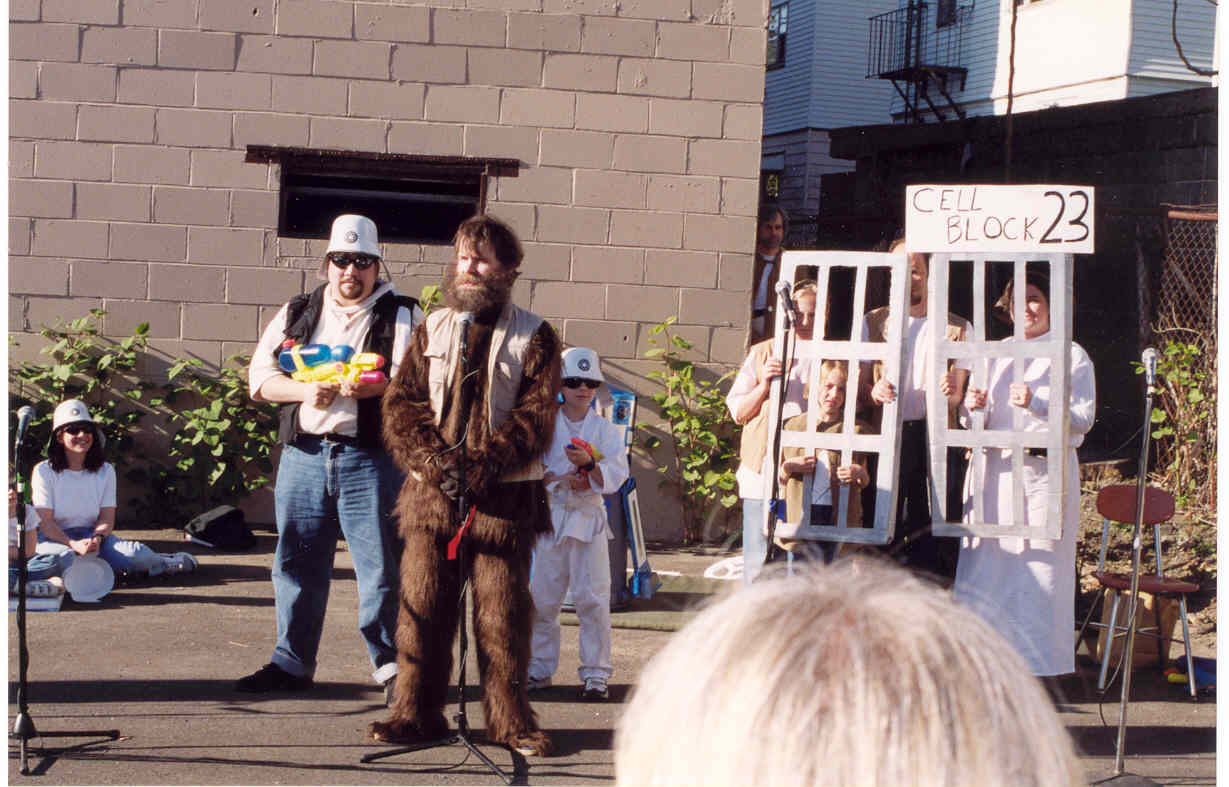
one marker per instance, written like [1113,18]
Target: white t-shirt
[751,479]
[821,486]
[31,524]
[912,392]
[337,325]
[74,496]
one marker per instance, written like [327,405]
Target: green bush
[704,451]
[81,364]
[219,441]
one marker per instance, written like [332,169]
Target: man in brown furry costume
[505,429]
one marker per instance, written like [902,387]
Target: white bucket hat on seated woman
[74,411]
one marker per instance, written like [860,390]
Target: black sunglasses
[576,382]
[360,261]
[76,429]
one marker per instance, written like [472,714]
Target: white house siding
[1153,54]
[637,124]
[787,90]
[1078,51]
[841,95]
[1062,43]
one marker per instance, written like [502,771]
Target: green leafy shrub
[222,443]
[1184,422]
[704,453]
[218,441]
[82,364]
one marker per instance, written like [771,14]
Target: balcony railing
[904,41]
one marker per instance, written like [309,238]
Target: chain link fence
[1187,297]
[1186,333]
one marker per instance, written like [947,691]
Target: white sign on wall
[987,219]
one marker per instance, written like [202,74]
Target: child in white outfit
[577,553]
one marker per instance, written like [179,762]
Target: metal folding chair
[1117,504]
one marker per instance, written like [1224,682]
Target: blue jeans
[37,567]
[755,545]
[123,555]
[326,490]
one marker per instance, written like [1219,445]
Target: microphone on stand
[23,423]
[787,303]
[466,319]
[1149,358]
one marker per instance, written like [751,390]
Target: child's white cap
[583,363]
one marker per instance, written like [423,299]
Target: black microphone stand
[23,725]
[787,353]
[1120,776]
[462,735]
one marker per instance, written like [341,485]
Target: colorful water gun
[589,449]
[321,363]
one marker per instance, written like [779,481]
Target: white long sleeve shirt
[581,514]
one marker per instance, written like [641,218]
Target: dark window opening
[412,199]
[778,18]
[945,13]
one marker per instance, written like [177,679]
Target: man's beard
[493,290]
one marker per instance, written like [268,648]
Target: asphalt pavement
[138,689]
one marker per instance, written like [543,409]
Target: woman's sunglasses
[76,429]
[360,261]
[576,382]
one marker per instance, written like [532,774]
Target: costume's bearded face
[479,281]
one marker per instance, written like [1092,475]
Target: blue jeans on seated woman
[37,567]
[122,555]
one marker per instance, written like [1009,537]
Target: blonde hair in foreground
[853,674]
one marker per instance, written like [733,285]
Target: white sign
[985,218]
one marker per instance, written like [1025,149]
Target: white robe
[577,555]
[1025,588]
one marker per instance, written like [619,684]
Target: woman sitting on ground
[74,494]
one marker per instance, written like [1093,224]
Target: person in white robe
[1025,588]
[577,553]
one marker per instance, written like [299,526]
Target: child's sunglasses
[576,382]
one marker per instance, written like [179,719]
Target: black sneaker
[594,690]
[390,691]
[271,677]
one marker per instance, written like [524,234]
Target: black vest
[302,314]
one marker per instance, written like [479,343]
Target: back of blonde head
[855,674]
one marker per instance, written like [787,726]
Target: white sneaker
[44,588]
[537,684]
[178,563]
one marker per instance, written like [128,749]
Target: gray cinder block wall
[637,124]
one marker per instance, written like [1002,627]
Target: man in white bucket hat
[335,478]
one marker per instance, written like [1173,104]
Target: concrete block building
[176,162]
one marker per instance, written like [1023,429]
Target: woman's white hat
[74,411]
[583,363]
[70,411]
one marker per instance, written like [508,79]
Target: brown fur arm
[527,433]
[410,432]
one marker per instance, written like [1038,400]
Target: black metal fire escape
[919,56]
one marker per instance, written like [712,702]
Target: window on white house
[945,13]
[778,18]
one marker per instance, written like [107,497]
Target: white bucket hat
[353,233]
[583,363]
[74,411]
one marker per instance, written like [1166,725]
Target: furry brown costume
[500,542]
